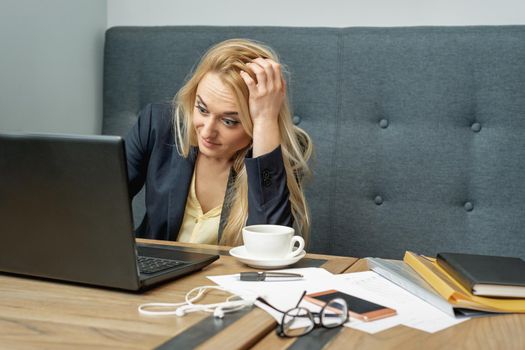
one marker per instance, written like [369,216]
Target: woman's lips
[209,144]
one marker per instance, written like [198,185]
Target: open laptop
[65,214]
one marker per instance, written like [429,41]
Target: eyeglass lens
[297,321]
[300,321]
[334,314]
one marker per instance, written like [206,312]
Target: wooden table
[41,314]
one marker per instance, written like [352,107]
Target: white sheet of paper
[284,295]
[411,310]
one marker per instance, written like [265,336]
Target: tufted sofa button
[383,123]
[476,127]
[378,200]
[468,206]
[296,119]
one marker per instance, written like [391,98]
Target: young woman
[224,154]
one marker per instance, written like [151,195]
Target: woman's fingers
[260,74]
[266,92]
[268,73]
[278,76]
[267,66]
[248,80]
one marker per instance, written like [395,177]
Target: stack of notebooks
[463,284]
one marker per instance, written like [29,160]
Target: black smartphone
[357,308]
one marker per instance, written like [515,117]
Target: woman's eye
[201,109]
[230,122]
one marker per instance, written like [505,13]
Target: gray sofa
[419,132]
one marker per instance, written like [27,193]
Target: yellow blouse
[199,227]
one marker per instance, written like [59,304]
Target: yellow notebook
[454,292]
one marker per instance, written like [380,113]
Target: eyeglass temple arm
[301,299]
[276,309]
[268,304]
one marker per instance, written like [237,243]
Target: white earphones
[218,312]
[181,309]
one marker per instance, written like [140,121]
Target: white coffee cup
[271,241]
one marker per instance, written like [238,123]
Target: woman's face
[216,120]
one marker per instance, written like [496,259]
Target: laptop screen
[64,210]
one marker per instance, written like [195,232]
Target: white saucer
[241,254]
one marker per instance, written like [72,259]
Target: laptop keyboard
[149,265]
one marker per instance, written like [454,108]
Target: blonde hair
[227,59]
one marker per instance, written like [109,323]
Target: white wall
[51,65]
[329,13]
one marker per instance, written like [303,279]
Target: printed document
[284,295]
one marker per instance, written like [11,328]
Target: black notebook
[484,275]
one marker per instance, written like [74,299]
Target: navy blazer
[153,160]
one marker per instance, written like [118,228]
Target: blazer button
[468,206]
[296,119]
[383,123]
[378,200]
[266,175]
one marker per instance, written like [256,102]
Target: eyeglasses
[300,321]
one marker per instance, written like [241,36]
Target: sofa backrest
[419,132]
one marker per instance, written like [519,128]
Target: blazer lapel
[226,204]
[178,194]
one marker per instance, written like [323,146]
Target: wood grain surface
[38,313]
[43,314]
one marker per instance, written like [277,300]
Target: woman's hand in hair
[267,94]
